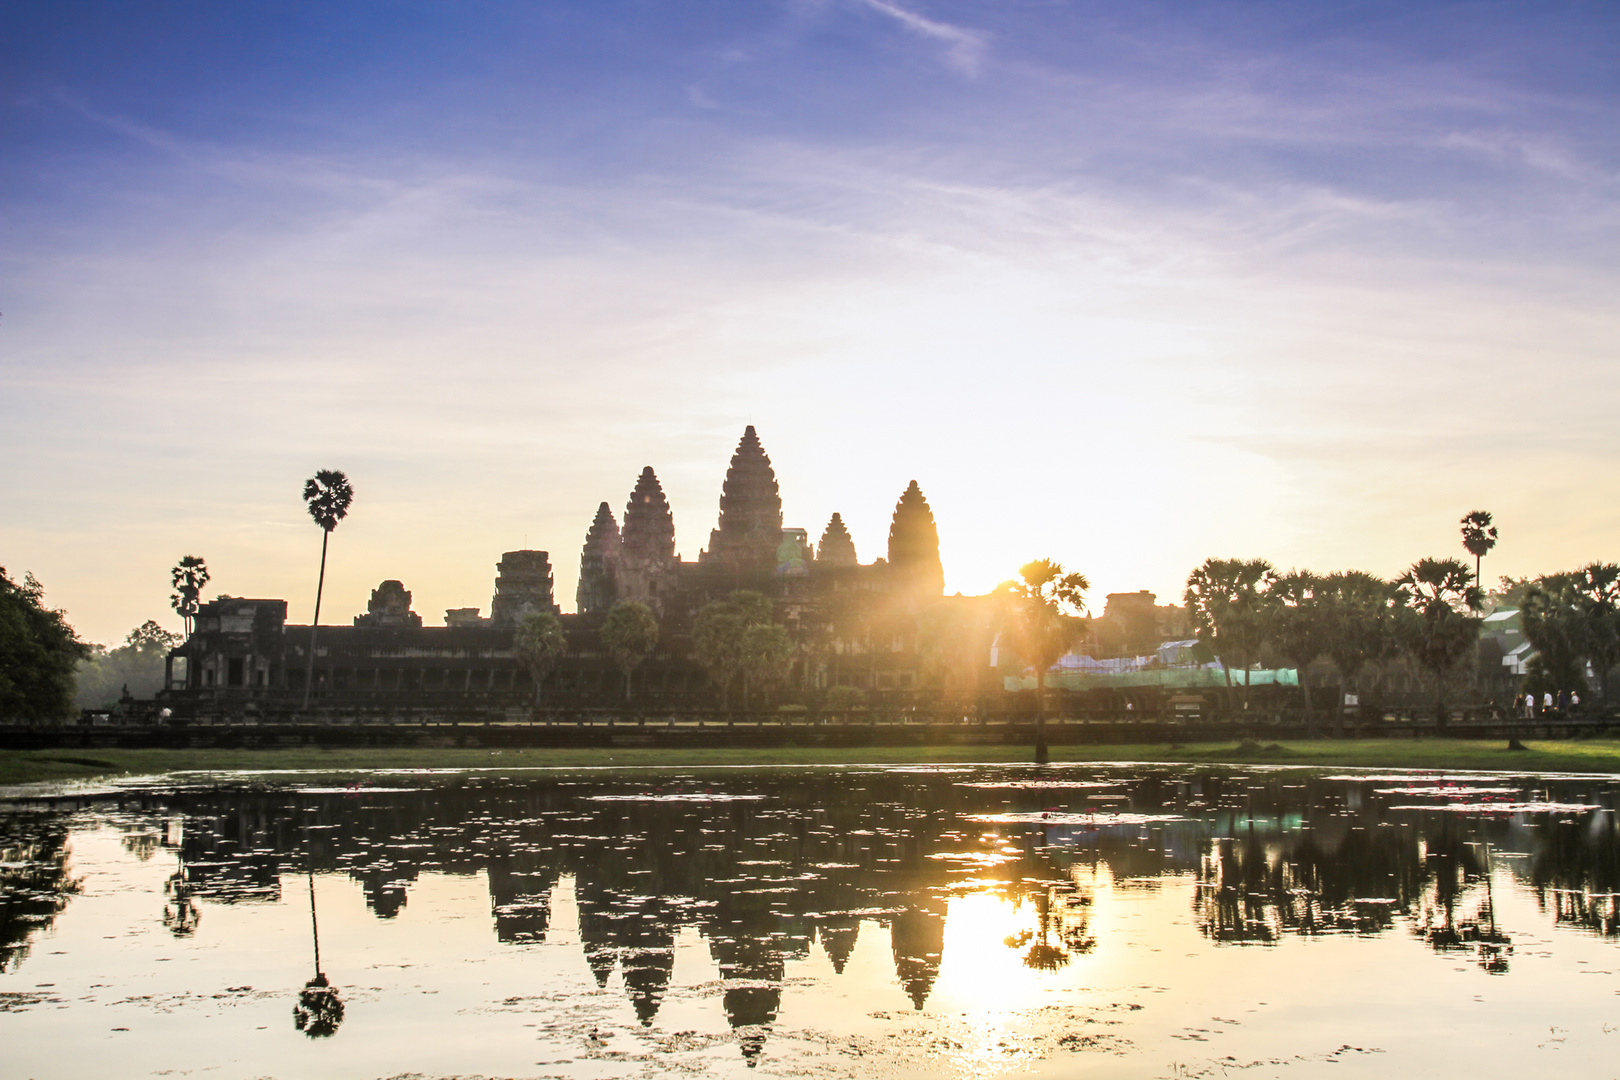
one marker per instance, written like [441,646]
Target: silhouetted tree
[1439,632]
[1556,623]
[327,496]
[1478,537]
[1227,601]
[630,634]
[1301,628]
[1041,628]
[1362,611]
[538,643]
[719,634]
[1597,585]
[38,654]
[766,650]
[188,576]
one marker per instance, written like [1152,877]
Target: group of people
[1563,701]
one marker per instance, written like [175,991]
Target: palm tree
[1227,599]
[327,496]
[1040,628]
[630,633]
[1301,628]
[1478,536]
[188,577]
[1438,593]
[538,643]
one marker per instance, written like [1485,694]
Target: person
[1530,706]
[1547,701]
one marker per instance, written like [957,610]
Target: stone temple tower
[599,565]
[647,551]
[836,549]
[914,566]
[522,585]
[750,512]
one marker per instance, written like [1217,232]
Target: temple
[861,626]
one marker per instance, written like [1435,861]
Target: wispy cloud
[964,49]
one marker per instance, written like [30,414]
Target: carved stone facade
[523,584]
[390,606]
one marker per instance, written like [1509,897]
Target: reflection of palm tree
[1061,914]
[319,1010]
[180,914]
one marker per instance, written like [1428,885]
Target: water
[955,921]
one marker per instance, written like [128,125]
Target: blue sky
[1122,285]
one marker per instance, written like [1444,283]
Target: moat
[981,921]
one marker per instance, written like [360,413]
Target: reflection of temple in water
[779,866]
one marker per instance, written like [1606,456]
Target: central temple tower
[646,571]
[750,512]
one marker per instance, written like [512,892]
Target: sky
[1123,285]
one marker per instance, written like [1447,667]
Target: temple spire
[836,548]
[599,565]
[914,546]
[750,510]
[647,551]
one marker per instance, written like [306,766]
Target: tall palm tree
[188,577]
[327,496]
[1040,629]
[1478,536]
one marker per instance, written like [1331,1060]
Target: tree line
[1431,615]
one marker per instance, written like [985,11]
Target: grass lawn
[1595,755]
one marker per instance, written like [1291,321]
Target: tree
[719,631]
[188,577]
[538,643]
[38,652]
[1478,537]
[1438,631]
[1227,601]
[327,496]
[1361,612]
[630,633]
[1597,585]
[1039,625]
[766,649]
[1301,627]
[1556,623]
[137,666]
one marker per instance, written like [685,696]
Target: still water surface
[891,922]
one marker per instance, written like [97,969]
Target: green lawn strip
[1585,756]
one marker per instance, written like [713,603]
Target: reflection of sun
[987,984]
